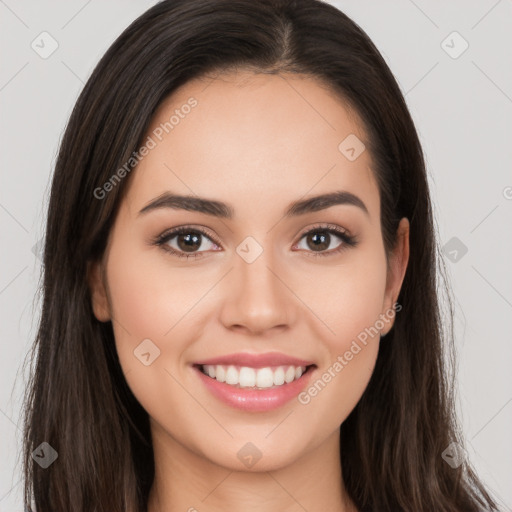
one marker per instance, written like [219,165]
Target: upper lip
[256,360]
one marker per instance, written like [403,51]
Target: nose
[257,298]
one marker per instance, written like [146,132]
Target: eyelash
[161,240]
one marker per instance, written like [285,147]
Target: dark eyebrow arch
[225,211]
[324,201]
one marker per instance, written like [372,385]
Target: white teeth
[289,374]
[220,373]
[231,376]
[279,376]
[264,378]
[247,377]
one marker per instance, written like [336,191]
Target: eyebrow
[225,211]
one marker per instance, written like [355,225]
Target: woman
[240,307]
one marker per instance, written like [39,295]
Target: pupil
[323,241]
[188,241]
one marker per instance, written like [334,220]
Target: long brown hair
[78,400]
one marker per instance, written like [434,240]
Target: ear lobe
[99,299]
[397,268]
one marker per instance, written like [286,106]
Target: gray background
[462,108]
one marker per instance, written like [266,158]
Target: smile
[254,389]
[259,378]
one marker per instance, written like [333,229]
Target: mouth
[246,377]
[254,390]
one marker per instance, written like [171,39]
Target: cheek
[149,300]
[350,305]
[149,296]
[343,382]
[347,297]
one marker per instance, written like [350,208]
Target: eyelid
[326,226]
[170,233]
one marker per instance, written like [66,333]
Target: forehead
[252,139]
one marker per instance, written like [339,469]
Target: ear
[396,271]
[96,280]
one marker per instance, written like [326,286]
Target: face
[252,276]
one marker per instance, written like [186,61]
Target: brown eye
[318,241]
[321,241]
[186,242]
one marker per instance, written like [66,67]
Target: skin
[257,142]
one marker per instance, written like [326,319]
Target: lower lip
[256,400]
